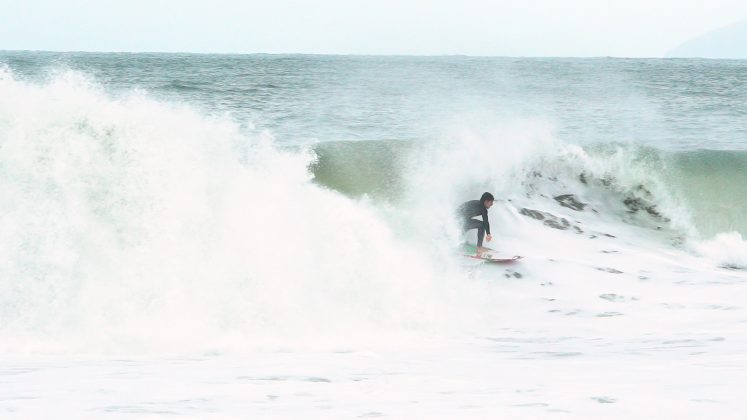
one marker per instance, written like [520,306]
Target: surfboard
[490,255]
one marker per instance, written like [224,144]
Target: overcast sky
[624,28]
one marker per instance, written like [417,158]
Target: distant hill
[727,42]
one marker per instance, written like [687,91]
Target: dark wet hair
[487,197]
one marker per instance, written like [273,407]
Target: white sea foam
[727,249]
[129,223]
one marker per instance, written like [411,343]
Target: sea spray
[135,225]
[729,250]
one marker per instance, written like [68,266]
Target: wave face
[712,182]
[698,192]
[691,199]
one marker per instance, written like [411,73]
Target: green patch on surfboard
[490,255]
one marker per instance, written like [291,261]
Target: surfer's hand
[489,238]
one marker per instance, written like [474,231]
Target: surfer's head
[487,199]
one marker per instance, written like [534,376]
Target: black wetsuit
[474,208]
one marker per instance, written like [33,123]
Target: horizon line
[363,54]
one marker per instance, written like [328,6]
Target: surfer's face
[488,204]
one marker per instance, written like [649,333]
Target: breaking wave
[130,224]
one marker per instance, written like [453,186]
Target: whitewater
[225,237]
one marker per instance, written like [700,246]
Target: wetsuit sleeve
[485,219]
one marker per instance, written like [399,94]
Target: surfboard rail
[497,259]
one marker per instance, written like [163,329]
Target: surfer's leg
[470,224]
[480,235]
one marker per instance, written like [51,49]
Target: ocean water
[216,236]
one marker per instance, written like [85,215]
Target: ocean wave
[129,224]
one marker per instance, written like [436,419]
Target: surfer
[474,208]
